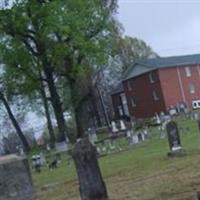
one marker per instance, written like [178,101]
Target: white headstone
[172,111]
[128,134]
[158,121]
[42,159]
[111,146]
[104,148]
[92,135]
[99,150]
[114,127]
[122,125]
[134,139]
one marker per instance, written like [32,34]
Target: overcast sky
[170,27]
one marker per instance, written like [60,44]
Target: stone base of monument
[15,179]
[177,153]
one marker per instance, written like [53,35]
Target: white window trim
[151,77]
[133,103]
[188,71]
[192,88]
[129,86]
[155,95]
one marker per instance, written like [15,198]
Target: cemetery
[156,159]
[142,170]
[90,113]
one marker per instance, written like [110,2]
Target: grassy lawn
[143,172]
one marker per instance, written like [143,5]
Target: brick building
[155,85]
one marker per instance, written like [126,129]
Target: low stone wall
[15,179]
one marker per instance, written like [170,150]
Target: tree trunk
[95,109]
[104,109]
[78,120]
[56,103]
[15,124]
[47,113]
[92,186]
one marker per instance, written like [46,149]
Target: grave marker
[61,146]
[15,179]
[173,136]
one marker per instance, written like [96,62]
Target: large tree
[15,123]
[128,50]
[67,39]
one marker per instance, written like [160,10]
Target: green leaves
[71,37]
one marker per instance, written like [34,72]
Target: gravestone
[61,146]
[36,163]
[114,127]
[146,134]
[20,150]
[140,136]
[92,135]
[42,159]
[122,125]
[172,111]
[158,120]
[173,136]
[15,179]
[129,136]
[111,145]
[135,139]
[196,116]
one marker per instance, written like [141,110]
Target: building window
[155,96]
[129,86]
[151,77]
[192,88]
[133,103]
[188,71]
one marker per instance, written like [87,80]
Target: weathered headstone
[112,145]
[36,163]
[140,136]
[20,150]
[196,116]
[15,179]
[42,159]
[173,136]
[61,146]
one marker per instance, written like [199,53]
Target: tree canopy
[57,39]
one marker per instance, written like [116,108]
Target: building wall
[171,85]
[176,85]
[186,81]
[141,89]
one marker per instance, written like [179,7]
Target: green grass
[142,172]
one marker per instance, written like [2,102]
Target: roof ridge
[144,65]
